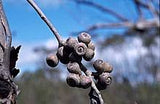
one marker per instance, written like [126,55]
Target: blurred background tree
[126,34]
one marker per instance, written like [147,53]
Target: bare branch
[102,8]
[152,9]
[140,13]
[148,6]
[45,19]
[109,25]
[142,4]
[139,25]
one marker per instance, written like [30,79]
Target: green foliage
[39,88]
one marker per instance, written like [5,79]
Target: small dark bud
[91,46]
[80,49]
[98,65]
[52,60]
[85,81]
[73,80]
[71,42]
[89,54]
[73,57]
[84,37]
[62,55]
[73,67]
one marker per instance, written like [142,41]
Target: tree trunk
[8,89]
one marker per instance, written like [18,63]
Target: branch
[140,13]
[45,19]
[139,25]
[93,85]
[148,6]
[152,9]
[142,4]
[110,25]
[101,8]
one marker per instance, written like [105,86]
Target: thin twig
[152,9]
[139,11]
[145,5]
[45,19]
[102,8]
[110,25]
[93,85]
[143,24]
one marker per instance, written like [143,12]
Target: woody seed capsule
[105,79]
[62,55]
[71,42]
[89,54]
[73,80]
[84,37]
[73,67]
[85,81]
[52,60]
[80,49]
[107,67]
[98,65]
[91,46]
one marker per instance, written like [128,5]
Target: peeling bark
[8,89]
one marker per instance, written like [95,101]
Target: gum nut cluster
[71,53]
[103,70]
[73,50]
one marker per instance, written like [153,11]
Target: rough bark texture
[8,89]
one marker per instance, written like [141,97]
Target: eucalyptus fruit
[89,54]
[84,37]
[71,42]
[73,67]
[52,60]
[105,79]
[91,46]
[101,66]
[73,80]
[62,55]
[107,67]
[98,65]
[80,49]
[85,81]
